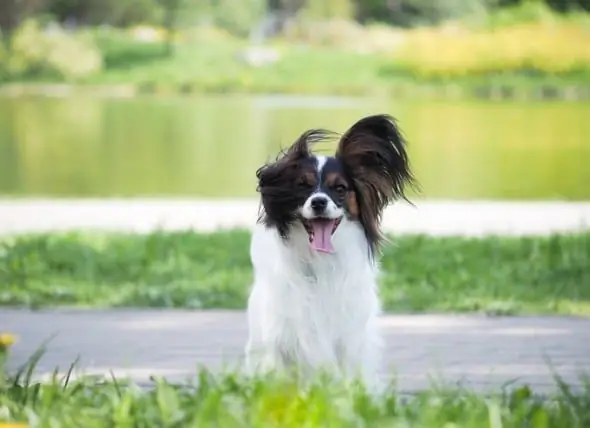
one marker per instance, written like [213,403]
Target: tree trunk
[8,19]
[170,20]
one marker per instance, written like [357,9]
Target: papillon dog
[314,303]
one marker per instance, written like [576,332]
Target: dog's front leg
[360,358]
[274,348]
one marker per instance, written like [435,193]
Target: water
[212,146]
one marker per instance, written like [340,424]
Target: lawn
[498,275]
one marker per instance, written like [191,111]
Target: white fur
[321,161]
[313,310]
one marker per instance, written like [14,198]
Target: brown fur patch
[352,205]
[308,177]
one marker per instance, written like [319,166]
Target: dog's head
[369,170]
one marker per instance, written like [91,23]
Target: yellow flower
[6,340]
[12,425]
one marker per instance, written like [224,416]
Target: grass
[502,275]
[233,400]
[214,69]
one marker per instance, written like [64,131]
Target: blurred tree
[110,12]
[12,12]
[170,21]
[568,5]
[287,7]
[8,19]
[240,17]
[326,9]
[278,14]
[558,5]
[408,13]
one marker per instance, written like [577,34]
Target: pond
[211,146]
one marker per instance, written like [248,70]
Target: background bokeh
[187,98]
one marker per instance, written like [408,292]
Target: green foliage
[120,51]
[36,53]
[239,18]
[557,5]
[4,58]
[409,13]
[234,400]
[528,12]
[111,12]
[330,9]
[185,269]
[242,17]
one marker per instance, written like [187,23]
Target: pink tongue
[322,235]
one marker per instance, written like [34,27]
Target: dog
[314,303]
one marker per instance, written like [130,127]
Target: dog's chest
[329,300]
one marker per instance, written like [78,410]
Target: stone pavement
[472,218]
[482,352]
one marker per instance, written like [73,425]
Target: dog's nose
[319,204]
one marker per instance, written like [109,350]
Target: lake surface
[212,146]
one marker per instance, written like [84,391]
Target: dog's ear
[287,161]
[373,152]
[302,146]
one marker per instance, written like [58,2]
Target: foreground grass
[233,400]
[186,269]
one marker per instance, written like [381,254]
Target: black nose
[318,205]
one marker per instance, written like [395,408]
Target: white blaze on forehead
[321,162]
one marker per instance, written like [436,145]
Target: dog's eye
[340,188]
[302,184]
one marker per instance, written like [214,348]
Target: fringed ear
[277,181]
[373,152]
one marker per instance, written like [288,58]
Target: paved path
[482,352]
[430,217]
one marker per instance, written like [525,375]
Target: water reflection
[211,146]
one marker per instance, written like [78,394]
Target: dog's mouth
[320,231]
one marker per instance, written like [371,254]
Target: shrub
[334,32]
[536,48]
[51,53]
[239,18]
[3,62]
[119,49]
[411,13]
